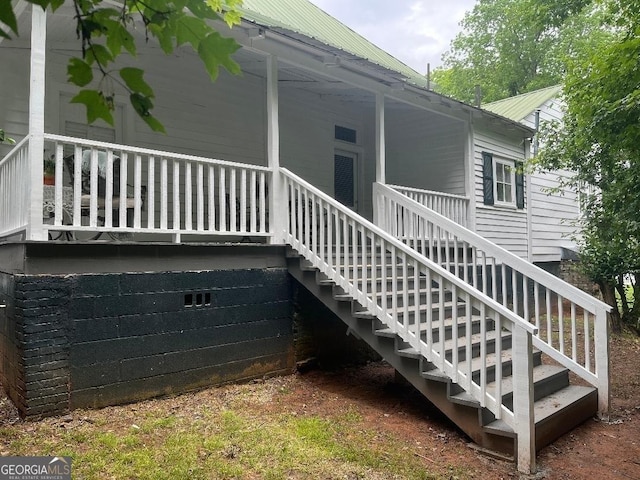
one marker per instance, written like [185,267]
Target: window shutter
[519,185]
[487,178]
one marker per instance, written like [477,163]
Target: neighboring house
[552,215]
[327,166]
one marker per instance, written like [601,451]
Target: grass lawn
[234,432]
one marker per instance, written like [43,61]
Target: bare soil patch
[388,409]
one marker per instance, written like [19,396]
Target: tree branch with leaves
[600,143]
[106,31]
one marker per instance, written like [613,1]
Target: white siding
[221,120]
[14,94]
[552,215]
[505,226]
[425,150]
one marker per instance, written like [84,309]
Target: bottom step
[555,414]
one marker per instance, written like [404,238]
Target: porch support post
[380,140]
[36,122]
[277,207]
[470,186]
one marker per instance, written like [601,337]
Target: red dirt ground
[597,449]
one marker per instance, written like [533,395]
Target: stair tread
[546,407]
[465,398]
[409,352]
[475,339]
[540,372]
[385,332]
[560,400]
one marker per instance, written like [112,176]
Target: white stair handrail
[489,258]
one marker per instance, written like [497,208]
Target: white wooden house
[327,163]
[552,216]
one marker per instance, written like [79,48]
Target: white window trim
[512,174]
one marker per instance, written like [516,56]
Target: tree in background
[105,31]
[600,142]
[509,47]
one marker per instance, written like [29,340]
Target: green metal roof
[301,17]
[518,107]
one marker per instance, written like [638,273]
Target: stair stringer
[469,418]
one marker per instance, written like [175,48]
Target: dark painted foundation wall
[86,339]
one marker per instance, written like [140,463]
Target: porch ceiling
[61,36]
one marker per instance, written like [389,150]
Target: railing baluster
[164,193]
[263,202]
[93,188]
[574,334]
[176,196]
[394,286]
[405,294]
[137,192]
[222,200]
[108,194]
[124,171]
[243,201]
[560,324]
[441,329]
[454,333]
[253,204]
[188,197]
[587,342]
[211,197]
[549,326]
[151,192]
[417,302]
[233,201]
[200,197]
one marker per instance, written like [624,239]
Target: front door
[345,179]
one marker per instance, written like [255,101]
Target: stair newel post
[523,400]
[601,344]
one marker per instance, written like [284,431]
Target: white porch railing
[14,191]
[572,325]
[129,190]
[390,280]
[454,207]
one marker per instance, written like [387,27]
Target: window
[345,134]
[503,181]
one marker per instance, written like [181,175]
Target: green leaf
[154,124]
[8,17]
[191,30]
[118,37]
[79,72]
[100,54]
[55,4]
[215,51]
[97,105]
[164,36]
[143,105]
[133,78]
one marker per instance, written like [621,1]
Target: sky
[416,32]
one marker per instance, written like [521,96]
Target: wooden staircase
[462,319]
[558,405]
